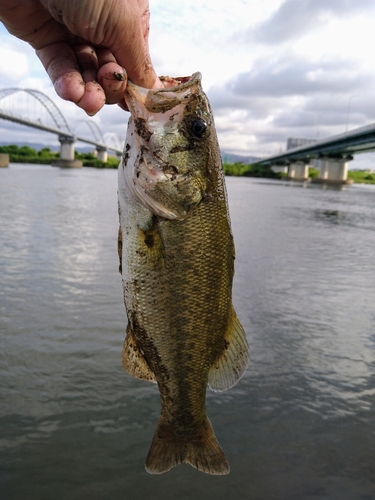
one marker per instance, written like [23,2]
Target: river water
[300,425]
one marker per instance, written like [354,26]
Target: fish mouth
[178,83]
[176,91]
[160,173]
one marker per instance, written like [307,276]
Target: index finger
[111,76]
[62,66]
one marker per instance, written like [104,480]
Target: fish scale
[177,265]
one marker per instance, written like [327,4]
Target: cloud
[14,66]
[288,95]
[114,120]
[290,76]
[295,18]
[273,69]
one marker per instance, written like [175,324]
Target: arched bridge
[330,155]
[41,113]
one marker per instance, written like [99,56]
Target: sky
[272,69]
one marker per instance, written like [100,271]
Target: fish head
[167,147]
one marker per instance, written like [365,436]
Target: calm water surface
[299,426]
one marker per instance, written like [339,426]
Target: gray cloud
[13,133]
[287,77]
[296,17]
[288,96]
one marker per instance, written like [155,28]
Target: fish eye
[198,127]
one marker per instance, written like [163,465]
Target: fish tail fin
[199,449]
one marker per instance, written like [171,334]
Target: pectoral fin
[133,361]
[229,367]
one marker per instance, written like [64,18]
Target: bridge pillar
[283,169]
[333,170]
[4,159]
[298,171]
[102,154]
[67,159]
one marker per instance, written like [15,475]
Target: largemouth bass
[177,258]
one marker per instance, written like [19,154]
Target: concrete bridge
[53,121]
[329,155]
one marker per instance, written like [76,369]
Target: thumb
[132,52]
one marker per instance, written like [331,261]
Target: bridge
[49,118]
[330,155]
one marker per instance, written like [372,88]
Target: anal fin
[231,364]
[133,361]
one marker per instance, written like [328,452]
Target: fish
[177,256]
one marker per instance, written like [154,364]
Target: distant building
[294,142]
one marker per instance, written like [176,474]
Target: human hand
[88,47]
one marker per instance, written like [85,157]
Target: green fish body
[177,262]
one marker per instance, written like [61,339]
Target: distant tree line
[26,154]
[254,170]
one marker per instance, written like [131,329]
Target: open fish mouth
[176,91]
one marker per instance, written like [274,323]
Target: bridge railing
[60,126]
[313,149]
[344,135]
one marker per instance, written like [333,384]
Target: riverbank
[240,169]
[45,156]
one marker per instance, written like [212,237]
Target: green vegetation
[313,173]
[90,160]
[254,170]
[362,177]
[25,154]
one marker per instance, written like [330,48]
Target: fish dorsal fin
[133,361]
[229,367]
